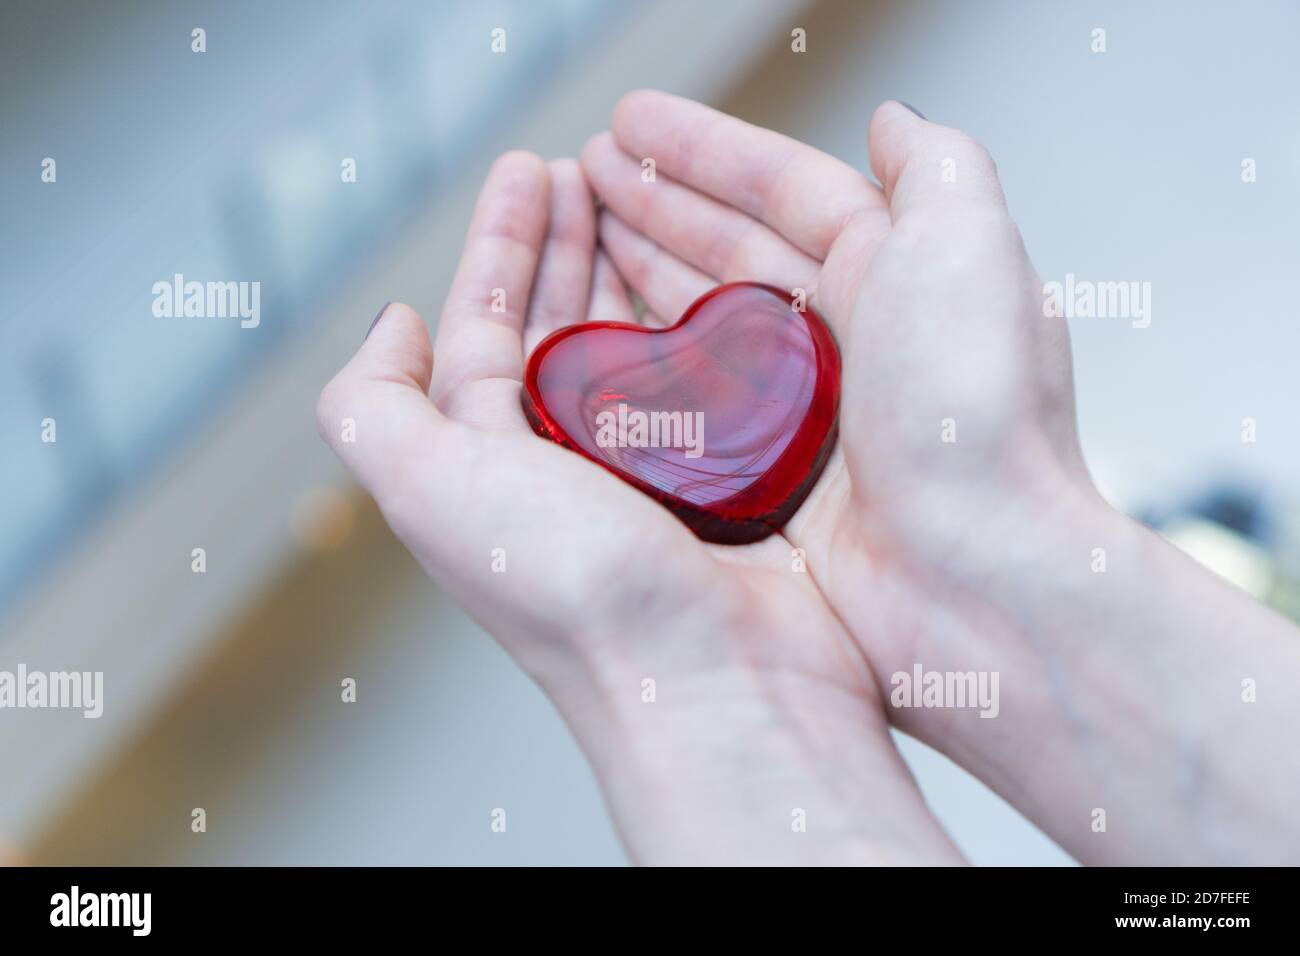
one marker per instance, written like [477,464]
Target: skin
[1119,691]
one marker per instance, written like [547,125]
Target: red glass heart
[753,383]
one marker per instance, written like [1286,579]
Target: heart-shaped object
[726,418]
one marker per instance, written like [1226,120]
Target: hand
[957,408]
[764,704]
[956,525]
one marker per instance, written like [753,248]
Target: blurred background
[222,689]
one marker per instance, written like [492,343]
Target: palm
[673,242]
[798,632]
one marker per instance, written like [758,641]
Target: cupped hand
[957,434]
[717,695]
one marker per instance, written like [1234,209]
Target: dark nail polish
[375,321]
[913,109]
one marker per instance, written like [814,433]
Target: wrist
[1022,595]
[704,760]
[1120,665]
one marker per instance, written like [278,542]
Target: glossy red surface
[755,386]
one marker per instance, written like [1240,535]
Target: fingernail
[375,321]
[912,108]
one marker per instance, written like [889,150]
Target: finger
[616,303]
[376,409]
[563,281]
[717,239]
[802,193]
[924,166]
[609,298]
[480,333]
[665,283]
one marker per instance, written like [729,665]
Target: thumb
[396,349]
[376,411]
[923,166]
